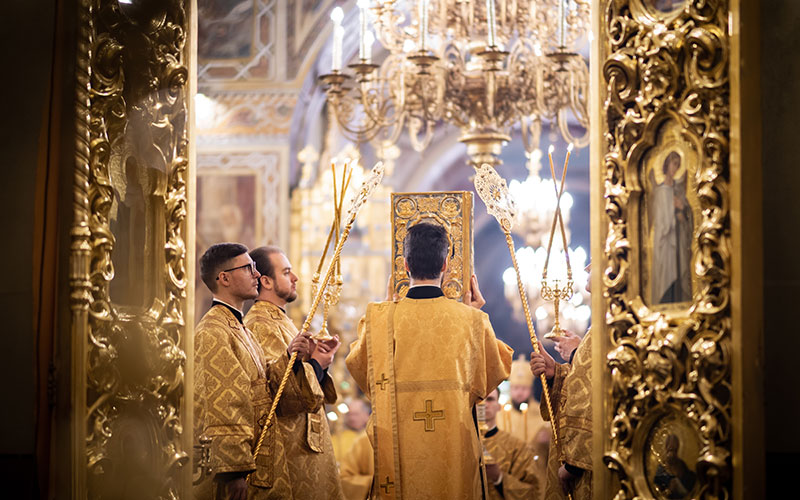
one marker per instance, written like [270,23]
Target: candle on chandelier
[338,36]
[362,17]
[369,39]
[562,15]
[423,25]
[491,21]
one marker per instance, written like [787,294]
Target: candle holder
[493,58]
[554,291]
[334,81]
[424,60]
[562,58]
[363,69]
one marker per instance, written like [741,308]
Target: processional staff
[367,187]
[493,190]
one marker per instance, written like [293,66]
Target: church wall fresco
[240,195]
[242,41]
[669,402]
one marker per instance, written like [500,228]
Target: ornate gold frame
[676,358]
[452,209]
[128,365]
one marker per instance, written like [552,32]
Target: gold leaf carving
[669,365]
[132,112]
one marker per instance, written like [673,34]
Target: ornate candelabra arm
[367,187]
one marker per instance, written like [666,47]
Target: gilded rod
[534,341]
[366,189]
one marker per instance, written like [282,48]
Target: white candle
[338,35]
[369,39]
[423,24]
[362,17]
[562,13]
[491,23]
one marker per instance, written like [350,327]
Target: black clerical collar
[232,309]
[491,432]
[424,292]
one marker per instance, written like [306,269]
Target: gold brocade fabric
[522,478]
[230,392]
[297,458]
[356,468]
[424,363]
[571,393]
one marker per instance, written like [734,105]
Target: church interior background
[250,139]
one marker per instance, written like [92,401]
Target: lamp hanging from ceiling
[483,66]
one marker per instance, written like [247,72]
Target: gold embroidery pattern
[131,109]
[429,416]
[388,484]
[660,70]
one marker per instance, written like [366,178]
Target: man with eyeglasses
[230,376]
[301,462]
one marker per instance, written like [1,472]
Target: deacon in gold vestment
[355,421]
[298,459]
[521,417]
[356,469]
[230,386]
[513,471]
[571,395]
[424,361]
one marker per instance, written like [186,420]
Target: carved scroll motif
[670,366]
[134,102]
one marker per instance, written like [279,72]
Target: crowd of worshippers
[424,364]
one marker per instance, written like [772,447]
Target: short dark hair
[425,249]
[263,262]
[214,259]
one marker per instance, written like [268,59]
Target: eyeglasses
[250,266]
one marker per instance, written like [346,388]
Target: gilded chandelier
[482,66]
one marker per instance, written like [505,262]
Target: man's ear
[223,279]
[446,263]
[266,282]
[405,264]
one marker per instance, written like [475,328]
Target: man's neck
[235,302]
[433,282]
[273,299]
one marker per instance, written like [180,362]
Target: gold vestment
[524,425]
[297,458]
[342,441]
[424,363]
[230,393]
[356,468]
[522,478]
[571,394]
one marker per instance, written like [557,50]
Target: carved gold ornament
[665,69]
[449,209]
[131,120]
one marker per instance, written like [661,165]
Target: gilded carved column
[128,271]
[665,98]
